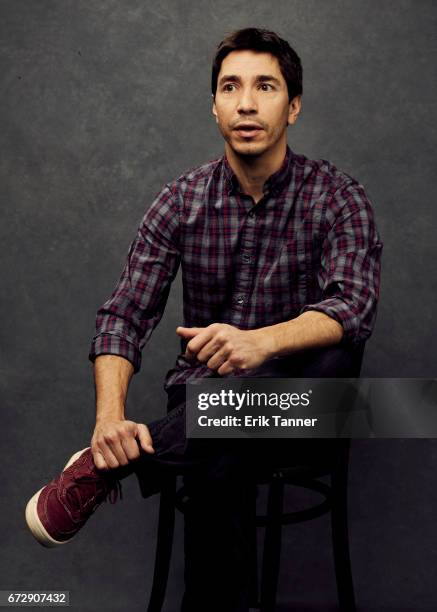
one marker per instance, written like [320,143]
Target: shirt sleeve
[125,322]
[349,275]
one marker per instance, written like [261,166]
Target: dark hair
[257,39]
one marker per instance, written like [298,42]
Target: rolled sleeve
[125,322]
[349,275]
[109,343]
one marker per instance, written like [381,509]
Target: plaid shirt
[310,243]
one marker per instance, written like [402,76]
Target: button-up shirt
[310,243]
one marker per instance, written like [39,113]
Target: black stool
[337,361]
[335,502]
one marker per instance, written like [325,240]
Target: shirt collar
[273,184]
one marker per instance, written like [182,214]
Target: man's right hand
[117,442]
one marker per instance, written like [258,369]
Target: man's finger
[109,457]
[219,358]
[99,461]
[117,451]
[199,341]
[188,332]
[130,447]
[225,368]
[209,350]
[145,438]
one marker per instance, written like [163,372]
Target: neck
[253,171]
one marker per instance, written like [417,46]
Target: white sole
[32,519]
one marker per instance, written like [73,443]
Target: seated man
[280,265]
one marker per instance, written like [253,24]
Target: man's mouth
[247,130]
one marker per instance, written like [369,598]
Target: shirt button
[240,299]
[251,213]
[247,258]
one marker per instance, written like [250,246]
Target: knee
[341,360]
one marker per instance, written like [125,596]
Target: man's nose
[247,102]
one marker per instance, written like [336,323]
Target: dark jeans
[220,481]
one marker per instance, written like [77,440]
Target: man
[280,260]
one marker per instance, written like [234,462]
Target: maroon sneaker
[57,511]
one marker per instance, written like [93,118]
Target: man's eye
[230,87]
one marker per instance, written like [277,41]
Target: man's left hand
[226,348]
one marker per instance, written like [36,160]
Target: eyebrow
[260,78]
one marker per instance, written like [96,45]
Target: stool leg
[340,535]
[254,569]
[163,545]
[272,546]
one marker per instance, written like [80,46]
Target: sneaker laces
[103,489]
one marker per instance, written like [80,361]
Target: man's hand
[114,442]
[226,348]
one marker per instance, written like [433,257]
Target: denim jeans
[220,480]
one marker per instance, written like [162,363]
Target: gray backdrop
[102,103]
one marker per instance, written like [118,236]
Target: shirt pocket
[292,281]
[282,281]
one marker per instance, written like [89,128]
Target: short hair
[258,39]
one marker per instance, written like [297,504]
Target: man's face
[251,103]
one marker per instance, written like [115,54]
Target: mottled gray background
[102,103]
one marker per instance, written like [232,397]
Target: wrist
[104,414]
[267,342]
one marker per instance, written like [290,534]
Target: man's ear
[294,109]
[214,109]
